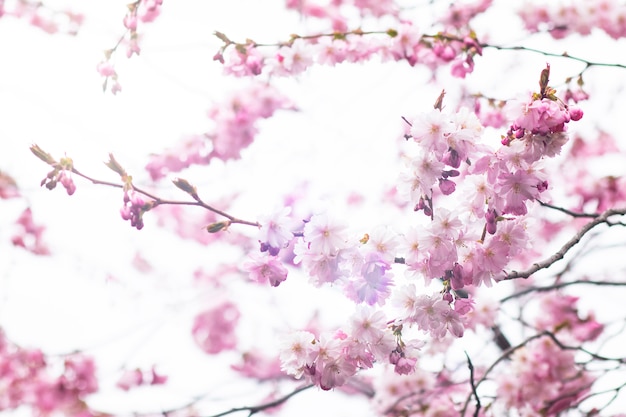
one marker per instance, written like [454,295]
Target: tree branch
[566,211]
[473,385]
[160,201]
[602,218]
[257,408]
[561,285]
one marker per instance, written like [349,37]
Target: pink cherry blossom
[214,329]
[266,268]
[274,234]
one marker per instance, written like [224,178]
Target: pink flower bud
[575,113]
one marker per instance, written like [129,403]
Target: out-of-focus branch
[569,212]
[470,365]
[510,351]
[562,285]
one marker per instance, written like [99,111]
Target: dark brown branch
[602,218]
[510,351]
[258,408]
[561,285]
[569,212]
[473,385]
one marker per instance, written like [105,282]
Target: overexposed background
[88,295]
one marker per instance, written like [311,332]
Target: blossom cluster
[406,43]
[214,329]
[29,235]
[233,128]
[333,12]
[144,11]
[39,15]
[330,360]
[464,248]
[544,379]
[561,18]
[27,379]
[134,207]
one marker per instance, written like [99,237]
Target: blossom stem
[159,201]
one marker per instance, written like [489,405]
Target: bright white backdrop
[88,295]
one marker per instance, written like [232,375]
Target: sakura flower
[334,373]
[259,366]
[321,268]
[447,223]
[516,188]
[409,245]
[293,59]
[262,269]
[129,379]
[274,234]
[384,242]
[324,235]
[368,325]
[214,329]
[430,130]
[297,351]
[372,286]
[245,60]
[405,366]
[430,314]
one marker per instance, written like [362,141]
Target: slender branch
[560,344]
[588,64]
[602,218]
[597,393]
[561,285]
[257,408]
[160,201]
[510,351]
[566,211]
[473,385]
[502,357]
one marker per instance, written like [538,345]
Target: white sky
[50,94]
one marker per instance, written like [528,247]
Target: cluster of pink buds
[61,174]
[134,208]
[544,116]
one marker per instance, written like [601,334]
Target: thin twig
[471,369]
[157,201]
[561,285]
[257,408]
[602,218]
[566,211]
